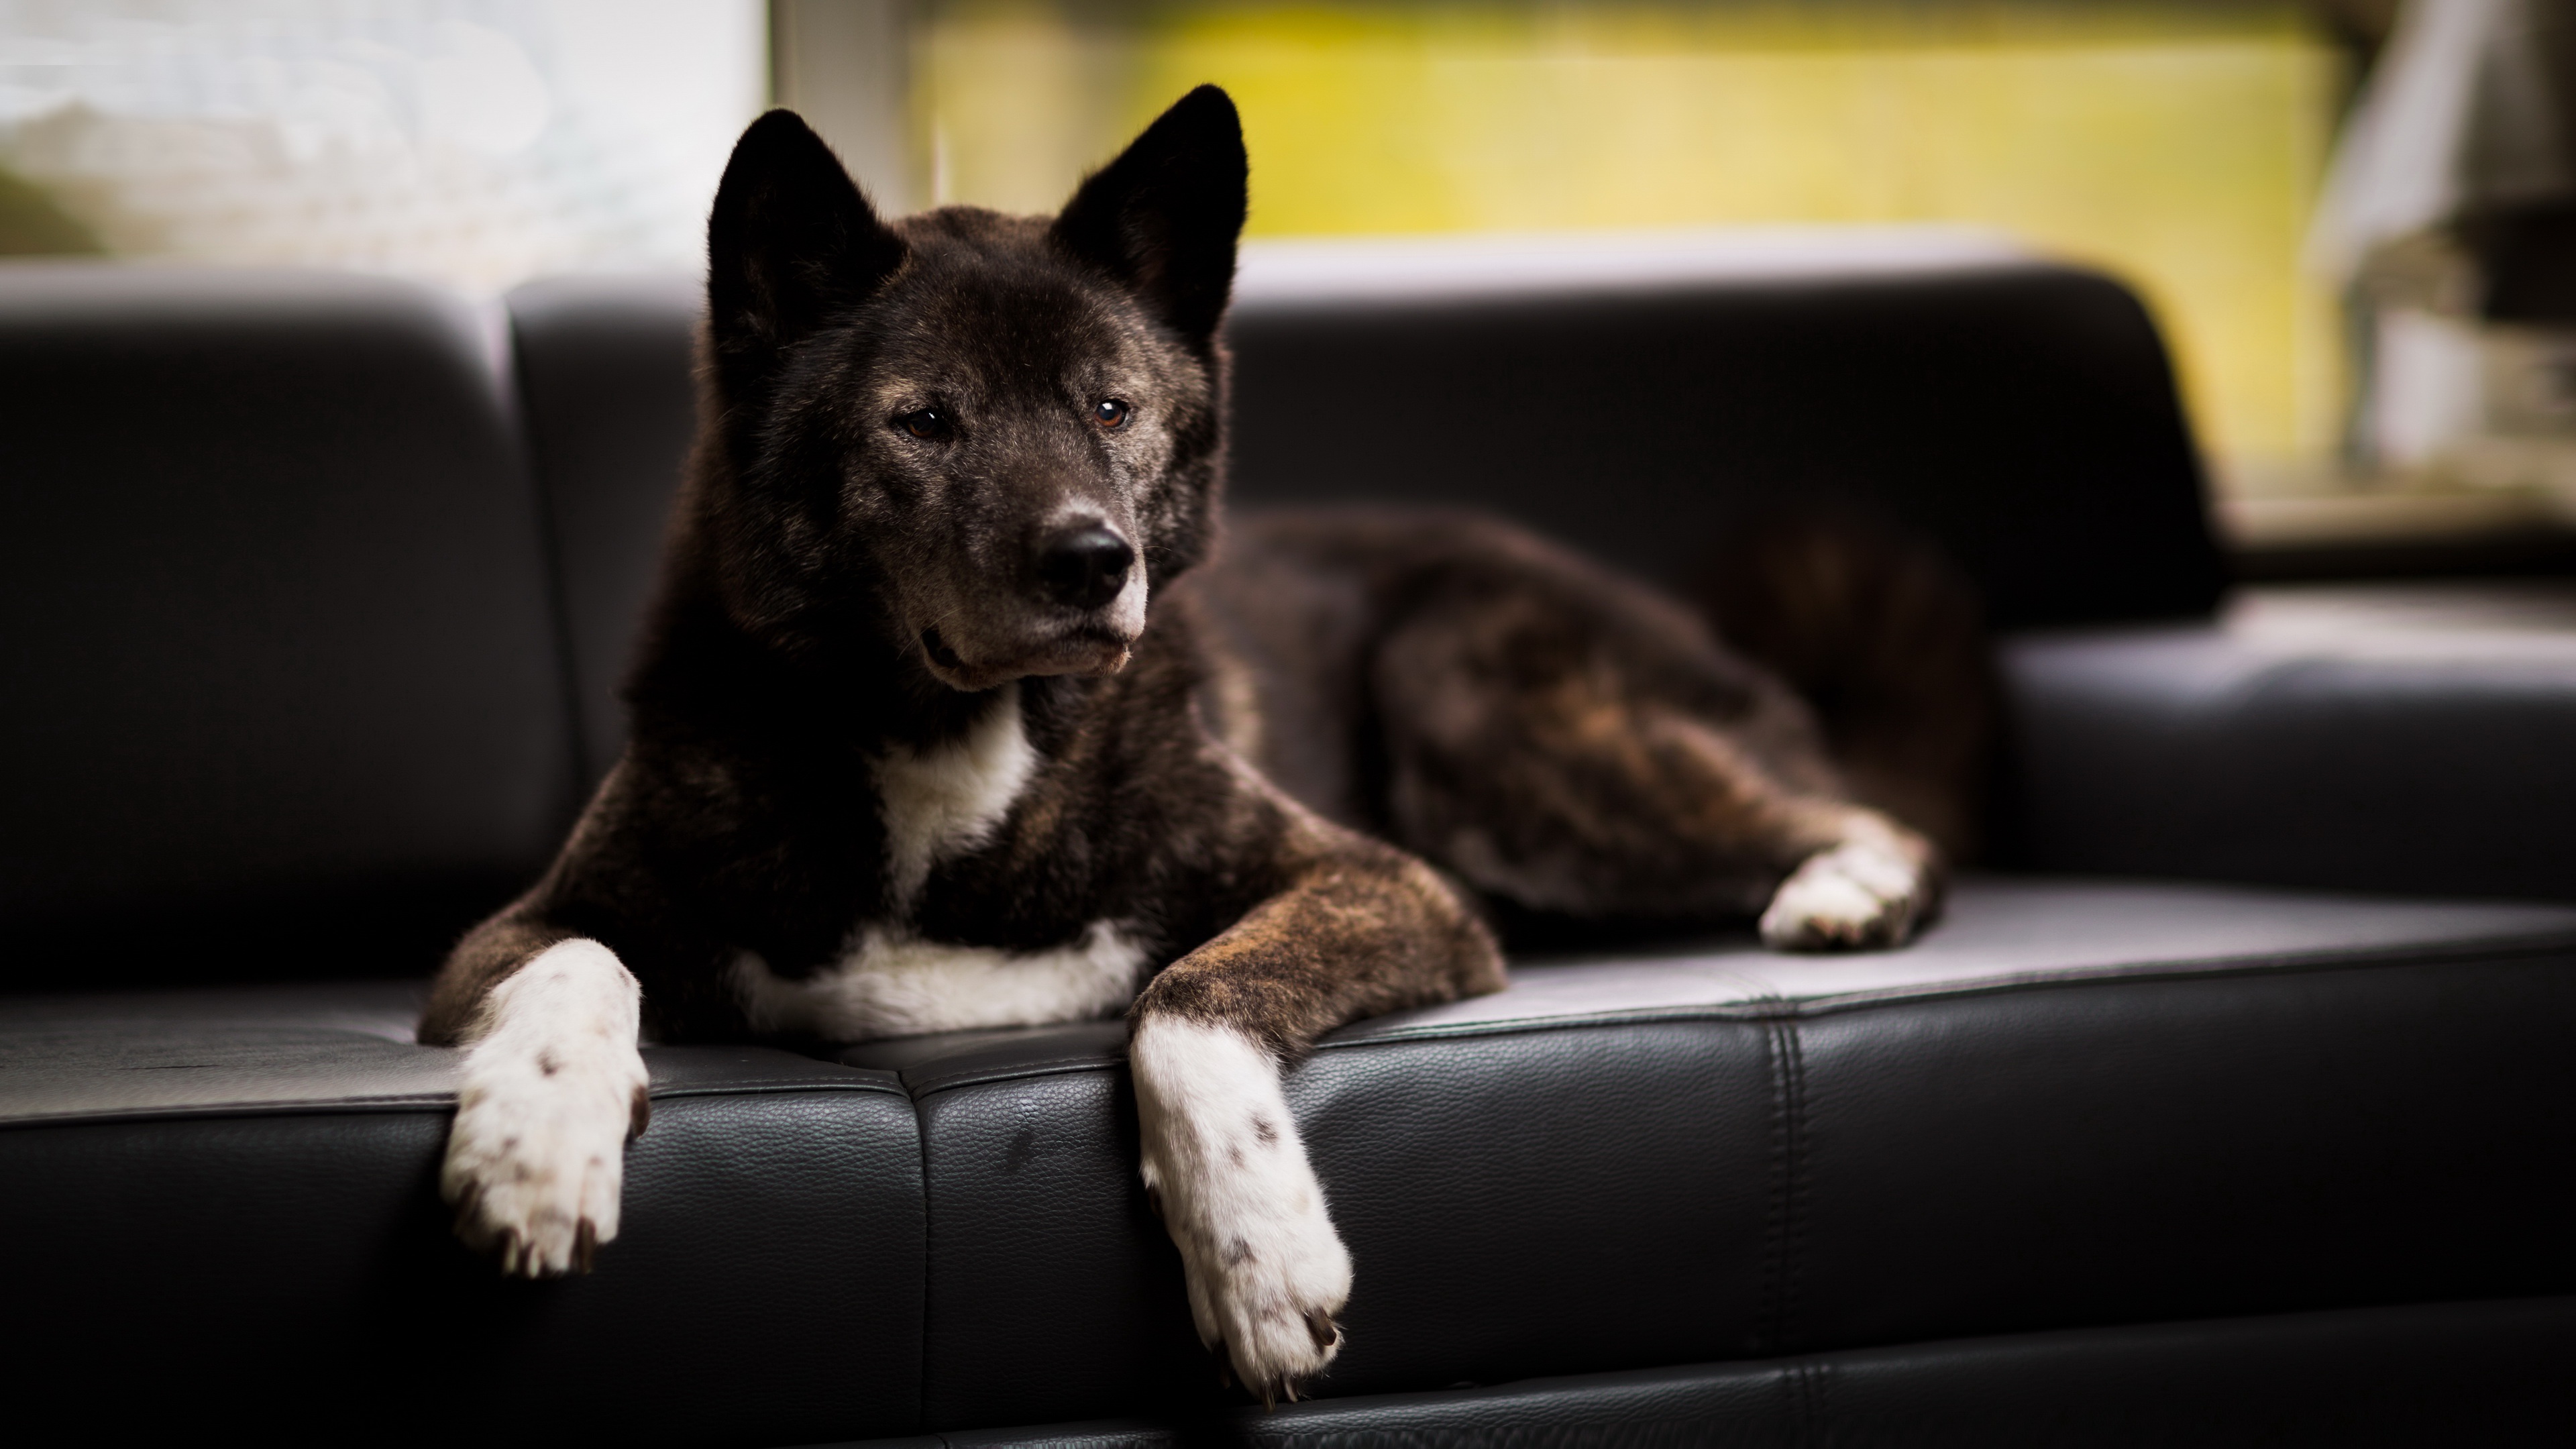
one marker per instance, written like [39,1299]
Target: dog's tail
[1885,637]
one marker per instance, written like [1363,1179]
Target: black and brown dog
[938,725]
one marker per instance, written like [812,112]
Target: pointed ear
[791,242]
[1164,216]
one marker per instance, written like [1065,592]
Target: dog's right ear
[791,242]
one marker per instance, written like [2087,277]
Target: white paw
[551,1092]
[1859,894]
[1225,1169]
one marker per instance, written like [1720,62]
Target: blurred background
[2356,219]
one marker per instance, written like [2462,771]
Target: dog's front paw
[551,1093]
[1224,1168]
[1858,895]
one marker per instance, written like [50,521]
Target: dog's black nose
[1084,567]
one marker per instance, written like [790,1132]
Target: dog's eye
[929,424]
[1109,413]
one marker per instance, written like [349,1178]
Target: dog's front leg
[1225,1169]
[1369,932]
[552,1089]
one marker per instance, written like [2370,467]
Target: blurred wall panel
[2178,143]
[846,67]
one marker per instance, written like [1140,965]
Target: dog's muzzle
[1078,611]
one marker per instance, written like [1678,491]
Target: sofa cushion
[2404,737]
[223,1209]
[278,648]
[2070,1104]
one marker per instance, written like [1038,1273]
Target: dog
[945,719]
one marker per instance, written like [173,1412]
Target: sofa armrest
[2387,737]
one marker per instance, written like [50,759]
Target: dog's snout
[1084,567]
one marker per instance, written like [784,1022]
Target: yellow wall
[2177,145]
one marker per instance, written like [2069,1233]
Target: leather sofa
[2229,1104]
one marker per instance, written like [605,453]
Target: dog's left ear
[1164,216]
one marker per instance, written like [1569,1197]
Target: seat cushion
[223,1209]
[2401,737]
[284,689]
[2069,1105]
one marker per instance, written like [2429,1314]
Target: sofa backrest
[1635,398]
[1638,396]
[283,680]
[605,366]
[317,587]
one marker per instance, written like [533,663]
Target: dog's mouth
[942,657]
[1091,650]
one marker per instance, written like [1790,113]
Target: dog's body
[937,727]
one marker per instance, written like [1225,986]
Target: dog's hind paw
[551,1093]
[1858,895]
[1224,1167]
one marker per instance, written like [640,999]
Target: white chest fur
[940,803]
[948,799]
[895,984]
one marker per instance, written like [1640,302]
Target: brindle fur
[1229,770]
[1884,636]
[1560,738]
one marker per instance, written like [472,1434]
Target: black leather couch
[2232,1105]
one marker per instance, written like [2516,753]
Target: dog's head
[989,438]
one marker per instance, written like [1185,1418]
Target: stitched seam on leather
[1823,1383]
[1775,1207]
[921,1386]
[758,1088]
[1774,1008]
[1057,1067]
[1762,1010]
[1795,1375]
[1793,1383]
[395,1102]
[409,1102]
[1793,1244]
[1809,1408]
[2254,967]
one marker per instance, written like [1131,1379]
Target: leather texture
[2489,1373]
[2175,1131]
[2393,737]
[2072,1104]
[254,1174]
[607,372]
[285,690]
